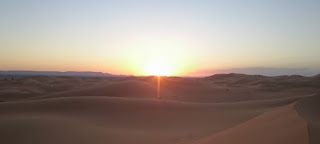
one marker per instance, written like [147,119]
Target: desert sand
[220,109]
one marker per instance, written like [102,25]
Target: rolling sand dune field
[220,109]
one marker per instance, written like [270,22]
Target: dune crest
[224,109]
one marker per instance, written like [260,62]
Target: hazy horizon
[265,71]
[188,38]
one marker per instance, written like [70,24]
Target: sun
[158,68]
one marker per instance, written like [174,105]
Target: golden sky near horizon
[150,37]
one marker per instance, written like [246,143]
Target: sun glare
[158,68]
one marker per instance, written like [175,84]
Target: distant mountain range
[266,71]
[57,73]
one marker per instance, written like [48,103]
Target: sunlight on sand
[158,87]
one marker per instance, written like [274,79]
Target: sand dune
[309,109]
[171,120]
[281,126]
[225,109]
[189,90]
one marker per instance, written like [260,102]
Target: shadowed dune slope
[120,120]
[181,89]
[309,109]
[280,126]
[128,88]
[222,109]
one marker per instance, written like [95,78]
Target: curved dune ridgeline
[230,108]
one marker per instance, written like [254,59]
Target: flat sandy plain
[220,109]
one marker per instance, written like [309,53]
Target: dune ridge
[219,109]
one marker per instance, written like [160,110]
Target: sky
[191,37]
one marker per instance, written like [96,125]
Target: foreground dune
[281,126]
[220,109]
[309,109]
